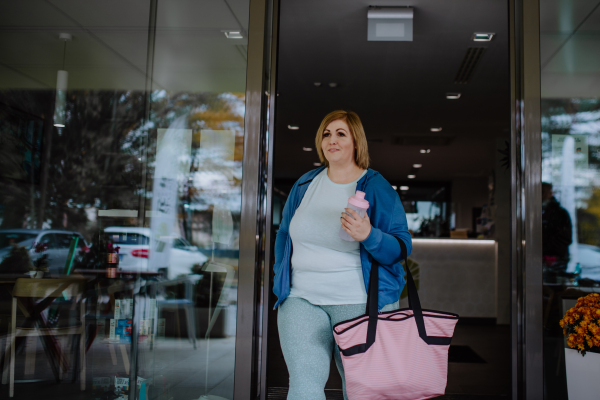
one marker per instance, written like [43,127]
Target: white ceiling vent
[390,24]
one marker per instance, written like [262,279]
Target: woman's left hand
[359,228]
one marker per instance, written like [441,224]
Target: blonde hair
[361,155]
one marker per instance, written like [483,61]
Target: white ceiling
[110,44]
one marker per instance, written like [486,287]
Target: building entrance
[433,93]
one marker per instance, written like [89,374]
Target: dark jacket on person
[557,231]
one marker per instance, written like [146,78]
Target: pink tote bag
[395,355]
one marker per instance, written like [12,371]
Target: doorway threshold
[280,393]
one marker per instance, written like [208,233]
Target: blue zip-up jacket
[388,221]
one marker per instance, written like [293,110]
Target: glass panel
[570,107]
[121,144]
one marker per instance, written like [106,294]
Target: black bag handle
[413,303]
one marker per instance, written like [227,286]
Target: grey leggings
[306,336]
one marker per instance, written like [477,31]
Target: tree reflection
[59,177]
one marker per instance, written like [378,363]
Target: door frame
[526,241]
[256,236]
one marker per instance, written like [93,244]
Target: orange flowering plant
[581,324]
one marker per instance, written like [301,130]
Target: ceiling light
[439,129]
[390,24]
[411,176]
[403,187]
[395,187]
[482,37]
[317,164]
[417,165]
[293,127]
[233,34]
[307,148]
[317,84]
[332,85]
[62,79]
[453,96]
[425,151]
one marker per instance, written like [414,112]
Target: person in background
[557,234]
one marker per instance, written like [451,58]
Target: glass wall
[570,112]
[121,144]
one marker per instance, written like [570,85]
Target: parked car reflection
[134,252]
[55,246]
[588,257]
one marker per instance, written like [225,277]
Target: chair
[47,290]
[186,303]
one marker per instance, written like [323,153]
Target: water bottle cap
[358,200]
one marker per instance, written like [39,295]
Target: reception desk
[457,275]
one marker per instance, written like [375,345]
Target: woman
[330,276]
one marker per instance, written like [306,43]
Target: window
[128,238]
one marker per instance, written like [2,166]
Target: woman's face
[338,143]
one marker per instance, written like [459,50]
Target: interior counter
[457,275]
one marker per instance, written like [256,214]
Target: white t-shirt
[326,270]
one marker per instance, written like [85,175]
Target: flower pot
[582,375]
[36,274]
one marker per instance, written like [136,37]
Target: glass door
[570,190]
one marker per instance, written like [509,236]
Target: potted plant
[581,327]
[40,265]
[102,254]
[17,261]
[413,266]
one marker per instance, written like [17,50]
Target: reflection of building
[248,81]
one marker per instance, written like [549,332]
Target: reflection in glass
[126,184]
[570,109]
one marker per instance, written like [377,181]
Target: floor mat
[464,354]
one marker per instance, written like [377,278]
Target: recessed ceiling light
[293,127]
[411,176]
[425,151]
[317,164]
[394,187]
[307,148]
[332,84]
[317,84]
[417,165]
[482,37]
[403,187]
[439,129]
[233,34]
[59,125]
[453,96]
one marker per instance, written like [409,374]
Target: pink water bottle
[358,204]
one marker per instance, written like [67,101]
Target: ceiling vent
[422,140]
[468,64]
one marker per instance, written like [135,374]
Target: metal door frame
[526,241]
[255,236]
